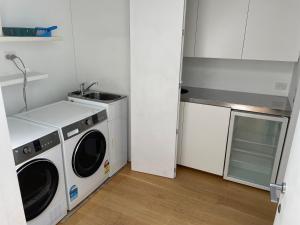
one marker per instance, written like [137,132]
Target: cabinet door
[205,130]
[190,28]
[272,30]
[254,148]
[220,28]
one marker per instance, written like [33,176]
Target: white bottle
[1,33]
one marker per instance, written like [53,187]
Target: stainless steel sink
[102,96]
[96,96]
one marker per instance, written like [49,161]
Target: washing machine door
[38,181]
[89,153]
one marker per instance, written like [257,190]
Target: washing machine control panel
[83,125]
[89,122]
[27,150]
[36,147]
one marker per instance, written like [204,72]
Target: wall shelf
[18,78]
[5,39]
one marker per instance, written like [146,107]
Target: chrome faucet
[83,89]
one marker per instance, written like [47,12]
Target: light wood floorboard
[193,198]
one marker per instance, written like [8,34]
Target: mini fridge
[254,148]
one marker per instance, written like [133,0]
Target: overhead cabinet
[272,30]
[203,137]
[220,28]
[242,29]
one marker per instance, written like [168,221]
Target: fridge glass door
[254,149]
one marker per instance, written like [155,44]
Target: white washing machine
[117,127]
[39,165]
[84,134]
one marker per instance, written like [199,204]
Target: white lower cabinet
[203,137]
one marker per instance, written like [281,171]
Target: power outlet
[281,86]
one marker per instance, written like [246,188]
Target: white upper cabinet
[190,28]
[272,30]
[220,28]
[243,29]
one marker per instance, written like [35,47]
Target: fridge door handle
[274,188]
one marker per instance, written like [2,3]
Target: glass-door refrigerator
[254,148]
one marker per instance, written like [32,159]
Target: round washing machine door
[38,181]
[89,153]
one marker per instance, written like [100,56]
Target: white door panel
[290,201]
[156,55]
[204,137]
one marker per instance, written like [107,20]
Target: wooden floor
[132,198]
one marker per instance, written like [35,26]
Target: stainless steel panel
[266,104]
[77,94]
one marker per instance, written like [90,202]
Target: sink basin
[102,96]
[184,91]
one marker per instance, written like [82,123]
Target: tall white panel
[273,30]
[11,207]
[156,56]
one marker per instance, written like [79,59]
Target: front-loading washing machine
[117,127]
[84,133]
[39,166]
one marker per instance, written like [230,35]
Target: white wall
[102,48]
[56,59]
[101,33]
[294,84]
[237,75]
[295,93]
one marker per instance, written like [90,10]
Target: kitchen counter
[257,103]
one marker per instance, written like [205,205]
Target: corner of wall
[294,83]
